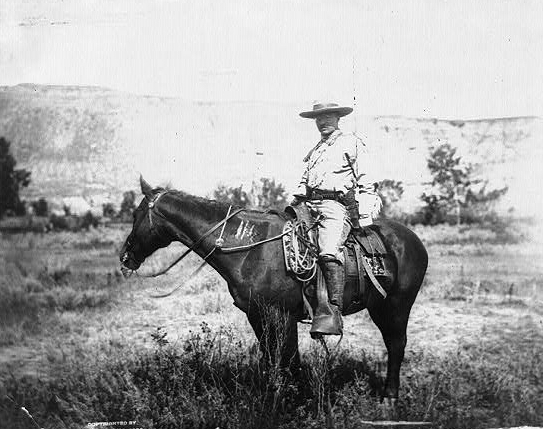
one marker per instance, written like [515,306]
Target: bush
[108,210]
[89,220]
[231,195]
[211,380]
[74,223]
[264,194]
[128,205]
[65,223]
[41,208]
[11,181]
[390,192]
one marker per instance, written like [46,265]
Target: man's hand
[355,223]
[298,199]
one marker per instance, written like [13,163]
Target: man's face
[327,123]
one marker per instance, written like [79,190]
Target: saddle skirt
[368,264]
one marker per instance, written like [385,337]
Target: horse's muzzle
[127,272]
[128,264]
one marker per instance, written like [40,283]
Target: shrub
[108,210]
[89,220]
[11,180]
[128,205]
[232,195]
[391,192]
[211,380]
[40,207]
[64,223]
[264,194]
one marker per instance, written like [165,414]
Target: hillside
[94,142]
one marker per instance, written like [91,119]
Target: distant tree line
[263,194]
[455,195]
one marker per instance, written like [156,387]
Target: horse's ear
[146,189]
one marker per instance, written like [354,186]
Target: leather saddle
[369,266]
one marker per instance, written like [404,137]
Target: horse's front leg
[277,333]
[291,354]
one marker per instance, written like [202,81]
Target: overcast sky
[448,59]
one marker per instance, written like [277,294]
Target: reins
[252,245]
[218,244]
[198,242]
[196,271]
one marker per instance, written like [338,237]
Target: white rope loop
[301,257]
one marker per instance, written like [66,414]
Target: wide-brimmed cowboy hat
[319,108]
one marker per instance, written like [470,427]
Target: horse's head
[149,231]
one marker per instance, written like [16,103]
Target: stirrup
[327,324]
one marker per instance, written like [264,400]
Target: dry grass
[79,344]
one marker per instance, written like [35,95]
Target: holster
[351,205]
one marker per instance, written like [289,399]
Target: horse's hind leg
[392,320]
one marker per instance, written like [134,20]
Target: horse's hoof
[389,409]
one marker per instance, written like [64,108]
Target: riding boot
[327,319]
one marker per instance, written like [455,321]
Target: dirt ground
[436,326]
[480,309]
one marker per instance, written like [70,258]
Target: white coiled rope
[300,253]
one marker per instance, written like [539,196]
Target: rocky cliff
[95,142]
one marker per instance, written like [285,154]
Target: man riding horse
[257,275]
[331,185]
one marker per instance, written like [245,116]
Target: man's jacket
[333,165]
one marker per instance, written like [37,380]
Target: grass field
[80,344]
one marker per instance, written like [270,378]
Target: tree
[128,205]
[232,195]
[271,195]
[108,210]
[391,192]
[264,194]
[41,208]
[455,191]
[12,180]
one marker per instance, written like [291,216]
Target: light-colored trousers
[334,229]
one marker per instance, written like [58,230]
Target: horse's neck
[194,216]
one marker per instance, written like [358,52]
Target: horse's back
[410,254]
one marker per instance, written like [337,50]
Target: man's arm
[368,199]
[300,195]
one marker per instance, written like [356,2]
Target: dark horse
[259,275]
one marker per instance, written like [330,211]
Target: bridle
[152,211]
[151,206]
[152,227]
[218,242]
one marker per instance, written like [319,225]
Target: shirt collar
[332,137]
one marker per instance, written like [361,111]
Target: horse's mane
[217,206]
[185,196]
